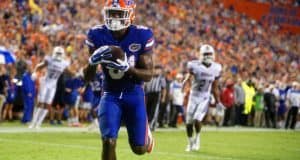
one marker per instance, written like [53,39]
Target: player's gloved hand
[121,65]
[124,63]
[100,55]
[220,106]
[34,76]
[80,73]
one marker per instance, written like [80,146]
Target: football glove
[124,63]
[220,106]
[121,65]
[100,55]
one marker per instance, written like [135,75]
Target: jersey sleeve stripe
[150,43]
[89,43]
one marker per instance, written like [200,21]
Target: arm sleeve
[190,67]
[24,87]
[47,59]
[148,40]
[171,88]
[163,82]
[219,71]
[90,41]
[68,84]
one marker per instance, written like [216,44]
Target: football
[117,53]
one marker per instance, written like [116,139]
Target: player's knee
[188,125]
[197,122]
[109,143]
[138,150]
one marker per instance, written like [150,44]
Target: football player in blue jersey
[96,85]
[123,97]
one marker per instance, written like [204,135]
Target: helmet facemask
[58,56]
[207,54]
[208,58]
[117,18]
[58,53]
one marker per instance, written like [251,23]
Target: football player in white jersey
[203,76]
[56,65]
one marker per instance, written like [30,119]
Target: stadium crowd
[294,3]
[260,65]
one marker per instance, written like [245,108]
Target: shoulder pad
[90,41]
[147,37]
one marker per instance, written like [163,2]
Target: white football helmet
[58,53]
[207,54]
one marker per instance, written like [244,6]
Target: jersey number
[96,86]
[203,85]
[115,74]
[53,74]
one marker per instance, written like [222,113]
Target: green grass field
[19,143]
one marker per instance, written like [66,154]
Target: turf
[170,145]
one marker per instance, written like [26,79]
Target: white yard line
[175,155]
[70,129]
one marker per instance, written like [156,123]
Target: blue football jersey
[88,94]
[282,97]
[96,84]
[73,84]
[138,40]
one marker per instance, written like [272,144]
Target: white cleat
[151,142]
[188,148]
[31,126]
[196,147]
[92,127]
[37,127]
[196,144]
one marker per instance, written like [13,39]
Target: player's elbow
[147,79]
[149,76]
[139,150]
[89,73]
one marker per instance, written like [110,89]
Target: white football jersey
[54,70]
[203,77]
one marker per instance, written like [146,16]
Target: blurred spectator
[227,99]
[3,85]
[87,100]
[73,89]
[96,85]
[294,3]
[58,104]
[28,90]
[249,91]
[20,68]
[215,113]
[164,103]
[177,97]
[270,106]
[259,107]
[239,97]
[11,96]
[155,91]
[282,90]
[294,101]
